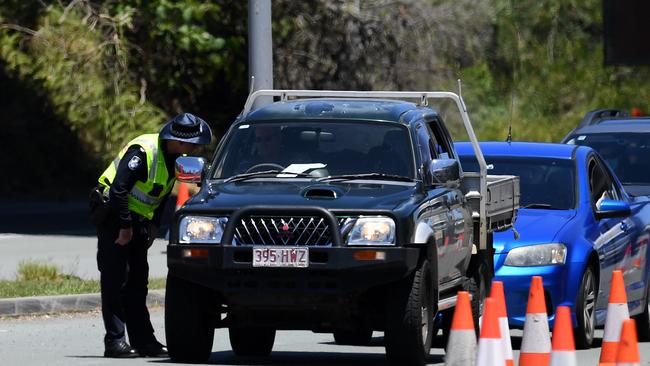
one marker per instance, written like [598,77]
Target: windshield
[544,182]
[317,149]
[626,153]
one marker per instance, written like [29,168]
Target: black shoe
[154,349]
[120,349]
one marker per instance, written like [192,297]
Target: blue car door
[615,235]
[633,262]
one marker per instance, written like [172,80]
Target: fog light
[195,253]
[370,255]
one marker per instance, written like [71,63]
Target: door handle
[624,226]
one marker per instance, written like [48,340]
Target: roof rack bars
[597,115]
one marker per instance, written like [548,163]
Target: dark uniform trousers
[124,279]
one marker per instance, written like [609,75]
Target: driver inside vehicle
[267,143]
[266,152]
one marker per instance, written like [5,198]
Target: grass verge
[43,279]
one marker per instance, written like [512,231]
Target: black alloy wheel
[409,328]
[189,323]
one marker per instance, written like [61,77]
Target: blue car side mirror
[612,208]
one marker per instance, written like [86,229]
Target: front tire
[252,341]
[189,326]
[586,309]
[409,327]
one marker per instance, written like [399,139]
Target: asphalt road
[76,339]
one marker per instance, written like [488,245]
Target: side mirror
[189,169]
[612,208]
[441,171]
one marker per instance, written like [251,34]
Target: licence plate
[280,257]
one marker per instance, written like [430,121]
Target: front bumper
[516,283]
[332,275]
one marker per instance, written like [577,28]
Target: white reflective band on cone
[490,352]
[536,337]
[616,313]
[505,338]
[461,348]
[563,358]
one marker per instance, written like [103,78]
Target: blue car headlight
[369,231]
[537,255]
[201,229]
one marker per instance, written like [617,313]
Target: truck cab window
[442,145]
[425,144]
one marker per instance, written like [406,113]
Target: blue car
[575,226]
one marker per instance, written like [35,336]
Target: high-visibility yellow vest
[141,201]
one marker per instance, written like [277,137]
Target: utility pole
[260,48]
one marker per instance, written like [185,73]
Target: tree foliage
[110,69]
[191,54]
[76,57]
[547,71]
[378,45]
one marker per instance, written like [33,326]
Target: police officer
[138,183]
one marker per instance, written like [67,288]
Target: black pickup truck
[342,212]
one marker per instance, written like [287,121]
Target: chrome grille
[284,231]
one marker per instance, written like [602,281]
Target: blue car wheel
[586,309]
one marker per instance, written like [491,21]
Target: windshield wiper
[538,205]
[244,176]
[381,176]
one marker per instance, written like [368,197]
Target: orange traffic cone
[628,348]
[183,195]
[564,347]
[461,346]
[497,294]
[490,349]
[617,312]
[536,344]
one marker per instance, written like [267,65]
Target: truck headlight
[372,231]
[537,255]
[201,229]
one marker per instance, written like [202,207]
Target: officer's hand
[124,236]
[153,231]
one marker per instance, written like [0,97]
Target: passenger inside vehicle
[267,143]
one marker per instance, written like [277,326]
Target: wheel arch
[594,261]
[586,258]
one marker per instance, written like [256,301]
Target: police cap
[187,127]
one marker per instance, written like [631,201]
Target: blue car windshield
[626,153]
[317,149]
[545,183]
